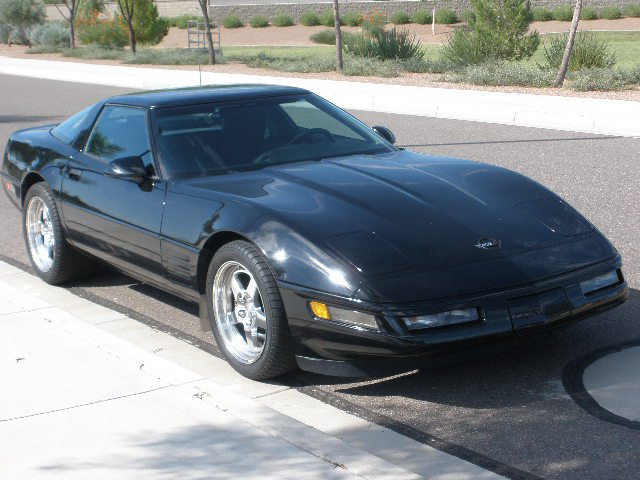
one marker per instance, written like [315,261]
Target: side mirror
[385,133]
[131,168]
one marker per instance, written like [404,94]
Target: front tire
[52,258]
[246,312]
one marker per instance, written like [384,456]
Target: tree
[127,9]
[21,15]
[564,65]
[204,8]
[498,30]
[72,7]
[336,16]
[150,28]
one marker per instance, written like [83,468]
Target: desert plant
[446,16]
[370,67]
[422,17]
[400,18]
[601,79]
[310,19]
[502,73]
[232,21]
[259,22]
[395,44]
[632,11]
[106,34]
[588,52]
[351,19]
[149,27]
[157,56]
[324,37]
[611,13]
[562,13]
[373,22]
[498,30]
[21,15]
[541,14]
[468,16]
[589,13]
[50,35]
[282,20]
[327,19]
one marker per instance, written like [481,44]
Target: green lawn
[280,52]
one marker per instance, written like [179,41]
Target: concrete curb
[598,116]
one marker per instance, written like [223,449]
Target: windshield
[219,138]
[68,130]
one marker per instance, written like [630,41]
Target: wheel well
[30,180]
[210,248]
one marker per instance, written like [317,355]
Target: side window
[120,132]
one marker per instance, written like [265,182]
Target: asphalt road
[512,412]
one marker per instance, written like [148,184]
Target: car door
[114,218]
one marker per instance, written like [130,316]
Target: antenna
[200,74]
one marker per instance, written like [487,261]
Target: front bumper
[337,349]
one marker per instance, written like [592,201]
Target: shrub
[502,73]
[182,21]
[446,16]
[150,56]
[562,13]
[310,19]
[232,21]
[50,35]
[325,37]
[632,11]
[588,52]
[541,14]
[282,20]
[21,15]
[106,34]
[588,13]
[400,18]
[611,13]
[394,44]
[414,65]
[5,31]
[601,79]
[370,67]
[259,22]
[150,28]
[422,17]
[469,16]
[96,52]
[301,65]
[499,30]
[327,19]
[351,19]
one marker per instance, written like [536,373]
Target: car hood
[404,213]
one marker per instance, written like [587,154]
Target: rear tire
[246,312]
[53,259]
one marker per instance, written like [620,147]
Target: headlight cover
[351,317]
[598,283]
[443,319]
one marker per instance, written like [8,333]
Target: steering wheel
[310,132]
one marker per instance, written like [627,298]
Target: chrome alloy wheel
[40,234]
[239,312]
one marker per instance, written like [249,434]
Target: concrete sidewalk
[578,114]
[90,393]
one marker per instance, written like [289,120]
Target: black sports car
[307,237]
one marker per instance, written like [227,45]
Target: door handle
[75,173]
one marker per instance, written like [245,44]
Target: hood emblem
[488,244]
